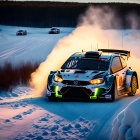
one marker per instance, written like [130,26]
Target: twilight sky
[124,1]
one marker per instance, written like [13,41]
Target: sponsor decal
[119,80]
[77,75]
[108,96]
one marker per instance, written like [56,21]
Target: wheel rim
[134,85]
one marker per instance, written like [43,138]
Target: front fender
[109,80]
[50,78]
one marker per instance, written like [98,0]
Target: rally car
[54,30]
[93,75]
[21,32]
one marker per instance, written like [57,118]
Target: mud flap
[111,85]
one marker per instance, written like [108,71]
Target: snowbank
[126,125]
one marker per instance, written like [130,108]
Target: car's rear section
[54,31]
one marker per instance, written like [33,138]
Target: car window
[116,65]
[123,62]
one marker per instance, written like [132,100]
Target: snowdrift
[126,125]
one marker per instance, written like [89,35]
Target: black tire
[133,86]
[50,98]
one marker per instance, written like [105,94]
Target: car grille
[81,83]
[75,92]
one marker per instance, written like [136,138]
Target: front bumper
[53,32]
[19,33]
[89,92]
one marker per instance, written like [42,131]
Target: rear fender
[129,75]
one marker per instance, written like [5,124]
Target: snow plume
[89,35]
[131,41]
[103,18]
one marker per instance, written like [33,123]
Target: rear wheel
[133,86]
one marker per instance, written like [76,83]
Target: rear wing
[121,52]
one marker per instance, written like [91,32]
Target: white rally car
[21,32]
[93,75]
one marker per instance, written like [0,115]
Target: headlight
[58,79]
[96,81]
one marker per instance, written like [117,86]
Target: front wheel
[50,98]
[133,86]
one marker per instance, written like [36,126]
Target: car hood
[80,75]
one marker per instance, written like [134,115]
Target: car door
[124,70]
[117,70]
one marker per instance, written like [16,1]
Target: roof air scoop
[93,54]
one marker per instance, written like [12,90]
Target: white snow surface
[35,46]
[127,123]
[23,116]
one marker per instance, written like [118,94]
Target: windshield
[87,64]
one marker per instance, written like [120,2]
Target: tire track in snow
[24,46]
[16,46]
[33,45]
[65,119]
